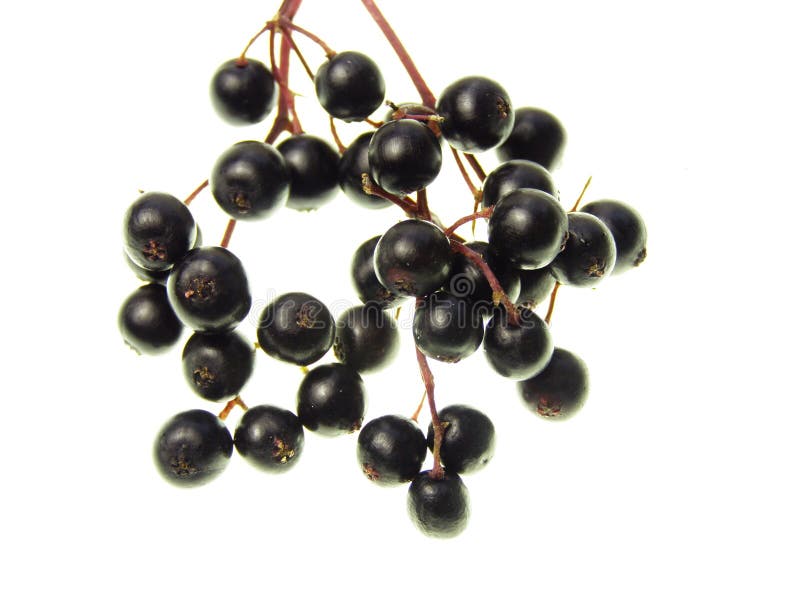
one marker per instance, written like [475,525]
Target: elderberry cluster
[466,295]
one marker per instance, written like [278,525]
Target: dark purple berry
[438,507]
[628,229]
[535,286]
[243,91]
[217,365]
[250,181]
[477,114]
[468,281]
[158,230]
[352,166]
[296,328]
[147,322]
[413,258]
[404,156]
[528,228]
[313,170]
[391,450]
[559,391]
[517,351]
[537,135]
[208,290]
[332,400]
[468,439]
[514,175]
[364,279]
[366,338]
[349,86]
[193,448]
[269,438]
[589,255]
[447,328]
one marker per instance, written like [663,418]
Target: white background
[677,480]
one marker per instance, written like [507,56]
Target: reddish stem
[498,294]
[404,202]
[229,407]
[580,198]
[476,166]
[242,60]
[194,194]
[299,54]
[226,238]
[282,121]
[336,137]
[287,23]
[422,205]
[464,174]
[552,303]
[483,214]
[428,99]
[438,430]
[415,416]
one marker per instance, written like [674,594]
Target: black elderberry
[313,170]
[560,390]
[513,175]
[349,86]
[243,91]
[269,438]
[589,255]
[217,365]
[364,279]
[517,351]
[158,230]
[193,448]
[404,156]
[366,338]
[391,450]
[628,229]
[439,507]
[296,328]
[537,136]
[468,439]
[331,400]
[147,322]
[447,328]
[535,285]
[352,167]
[468,281]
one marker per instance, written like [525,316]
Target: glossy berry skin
[147,322]
[560,391]
[208,290]
[468,440]
[589,255]
[391,450]
[353,164]
[413,258]
[364,279]
[157,276]
[217,365]
[366,338]
[158,230]
[313,170]
[438,507]
[193,448]
[332,400]
[250,181]
[296,328]
[243,92]
[269,438]
[467,280]
[447,328]
[513,175]
[628,229]
[404,156]
[517,351]
[537,136]
[535,286]
[477,114]
[349,86]
[528,228]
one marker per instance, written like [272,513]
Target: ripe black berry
[193,448]
[313,170]
[331,400]
[243,91]
[528,228]
[589,254]
[217,365]
[208,290]
[468,440]
[537,135]
[147,322]
[404,156]
[438,507]
[467,280]
[353,164]
[476,112]
[250,181]
[366,338]
[517,351]
[513,175]
[391,450]
[628,229]
[349,86]
[269,438]
[535,285]
[560,390]
[296,328]
[158,230]
[413,258]
[447,327]
[364,279]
